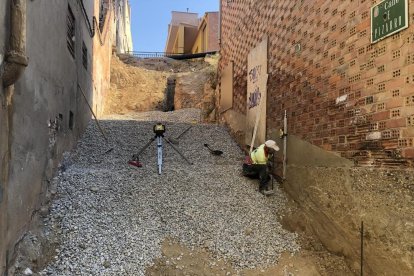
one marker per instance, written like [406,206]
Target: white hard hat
[272,144]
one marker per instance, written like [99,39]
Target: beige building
[182,32]
[207,39]
[189,34]
[123,35]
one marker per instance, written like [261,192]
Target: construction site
[115,162]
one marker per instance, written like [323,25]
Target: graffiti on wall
[256,94]
[255,73]
[254,98]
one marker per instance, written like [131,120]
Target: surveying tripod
[159,130]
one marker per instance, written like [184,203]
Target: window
[71,121]
[84,56]
[71,32]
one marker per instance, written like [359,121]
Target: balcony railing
[152,54]
[170,55]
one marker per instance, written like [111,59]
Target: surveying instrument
[159,130]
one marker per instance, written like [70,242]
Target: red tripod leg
[135,163]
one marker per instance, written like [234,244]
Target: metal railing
[151,54]
[170,55]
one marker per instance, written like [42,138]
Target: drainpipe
[16,60]
[14,64]
[284,144]
[219,32]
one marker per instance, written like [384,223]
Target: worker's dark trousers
[257,172]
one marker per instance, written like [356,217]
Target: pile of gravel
[112,218]
[189,115]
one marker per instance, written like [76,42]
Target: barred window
[71,32]
[71,120]
[84,56]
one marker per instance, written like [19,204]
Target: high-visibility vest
[258,156]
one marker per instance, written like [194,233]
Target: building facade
[182,31]
[349,106]
[45,109]
[123,36]
[207,39]
[188,34]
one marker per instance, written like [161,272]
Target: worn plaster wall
[102,53]
[4,25]
[350,149]
[47,111]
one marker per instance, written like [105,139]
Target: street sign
[388,18]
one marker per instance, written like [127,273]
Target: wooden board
[226,94]
[256,94]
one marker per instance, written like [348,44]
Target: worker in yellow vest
[256,165]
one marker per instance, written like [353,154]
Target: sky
[150,19]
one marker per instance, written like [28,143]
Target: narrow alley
[106,217]
[206,138]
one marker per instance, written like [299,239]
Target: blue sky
[150,19]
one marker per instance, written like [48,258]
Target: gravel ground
[112,218]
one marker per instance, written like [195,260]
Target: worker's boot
[262,189]
[266,189]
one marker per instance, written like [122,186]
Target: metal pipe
[174,148]
[362,248]
[284,144]
[93,113]
[219,32]
[159,153]
[14,64]
[16,60]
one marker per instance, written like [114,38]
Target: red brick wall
[213,32]
[374,124]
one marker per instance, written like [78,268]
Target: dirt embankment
[334,201]
[134,88]
[141,85]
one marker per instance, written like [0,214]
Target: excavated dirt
[141,84]
[164,64]
[310,261]
[335,201]
[134,89]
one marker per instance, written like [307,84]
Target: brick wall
[341,92]
[213,30]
